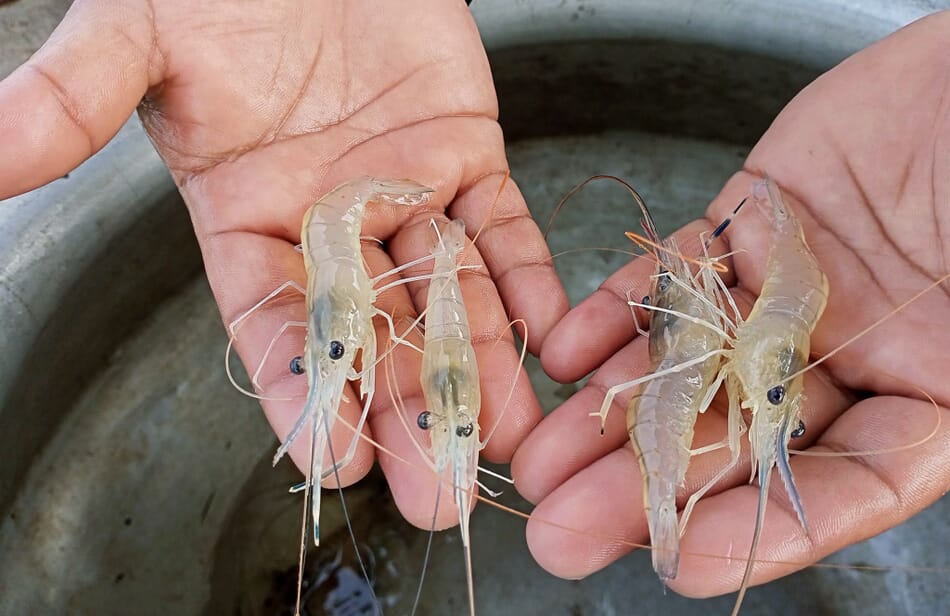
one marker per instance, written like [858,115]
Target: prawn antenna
[725,223]
[494,204]
[657,248]
[514,380]
[425,560]
[648,226]
[346,516]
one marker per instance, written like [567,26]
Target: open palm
[260,109]
[864,156]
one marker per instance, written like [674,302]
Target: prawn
[770,346]
[340,301]
[450,384]
[451,387]
[764,370]
[686,339]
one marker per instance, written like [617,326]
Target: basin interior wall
[132,473]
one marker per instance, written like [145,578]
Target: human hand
[863,155]
[260,109]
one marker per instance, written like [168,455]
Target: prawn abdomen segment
[346,202]
[446,316]
[662,415]
[660,421]
[331,227]
[795,283]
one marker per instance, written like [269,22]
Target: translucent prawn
[764,369]
[451,388]
[686,339]
[340,308]
[340,297]
[450,384]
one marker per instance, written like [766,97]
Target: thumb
[67,101]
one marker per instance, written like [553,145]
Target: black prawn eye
[799,431]
[464,430]
[776,394]
[424,420]
[296,365]
[664,281]
[646,300]
[336,349]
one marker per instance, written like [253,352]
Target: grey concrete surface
[24,27]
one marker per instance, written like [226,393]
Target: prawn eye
[664,281]
[424,420]
[336,349]
[464,430]
[296,366]
[799,431]
[646,300]
[776,394]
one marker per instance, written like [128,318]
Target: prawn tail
[785,471]
[765,473]
[664,535]
[400,192]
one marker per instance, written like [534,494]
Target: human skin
[863,155]
[258,110]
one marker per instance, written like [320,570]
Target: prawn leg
[369,380]
[232,334]
[621,387]
[235,324]
[735,428]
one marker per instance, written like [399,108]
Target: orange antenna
[878,452]
[491,212]
[653,248]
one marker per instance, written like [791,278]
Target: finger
[590,520]
[228,259]
[574,347]
[846,499]
[498,360]
[568,439]
[516,254]
[74,94]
